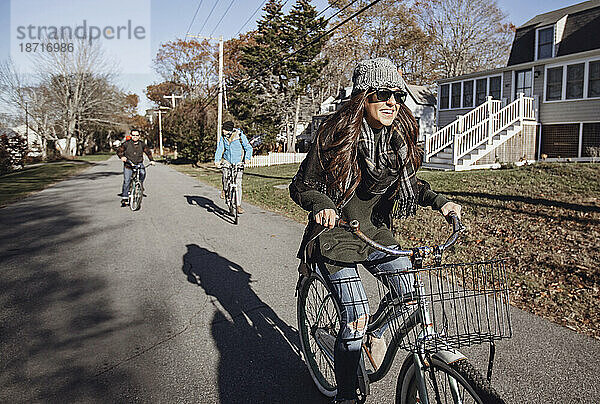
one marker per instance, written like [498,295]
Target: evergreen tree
[264,96]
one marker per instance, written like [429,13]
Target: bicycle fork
[421,363]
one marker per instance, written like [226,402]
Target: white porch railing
[445,136]
[478,127]
[276,158]
[498,120]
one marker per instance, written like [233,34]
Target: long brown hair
[337,143]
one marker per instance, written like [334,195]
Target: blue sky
[164,20]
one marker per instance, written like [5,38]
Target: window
[455,95]
[575,81]
[467,94]
[480,91]
[523,83]
[545,42]
[591,140]
[560,140]
[444,96]
[594,79]
[554,84]
[495,87]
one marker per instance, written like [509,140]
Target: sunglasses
[384,94]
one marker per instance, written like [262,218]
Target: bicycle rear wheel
[318,325]
[469,385]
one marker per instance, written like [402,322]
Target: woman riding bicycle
[362,165]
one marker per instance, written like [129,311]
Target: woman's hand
[451,207]
[326,218]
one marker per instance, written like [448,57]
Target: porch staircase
[459,145]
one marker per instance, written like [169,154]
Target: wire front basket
[445,307]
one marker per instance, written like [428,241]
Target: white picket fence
[276,158]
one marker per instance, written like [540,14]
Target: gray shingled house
[544,104]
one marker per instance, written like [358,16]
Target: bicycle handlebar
[132,164]
[457,227]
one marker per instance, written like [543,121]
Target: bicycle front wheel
[136,200]
[457,382]
[234,206]
[318,325]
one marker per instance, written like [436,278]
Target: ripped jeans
[350,294]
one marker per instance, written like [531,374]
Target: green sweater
[344,248]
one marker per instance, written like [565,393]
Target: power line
[314,19]
[249,18]
[314,40]
[223,16]
[328,7]
[362,10]
[209,14]
[195,14]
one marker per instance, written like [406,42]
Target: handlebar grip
[457,225]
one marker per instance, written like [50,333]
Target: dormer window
[545,43]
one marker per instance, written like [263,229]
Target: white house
[544,104]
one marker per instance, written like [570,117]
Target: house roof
[421,95]
[581,32]
[553,16]
[8,132]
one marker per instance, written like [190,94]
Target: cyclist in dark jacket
[362,165]
[133,150]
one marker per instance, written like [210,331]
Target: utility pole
[160,139]
[220,97]
[26,128]
[172,98]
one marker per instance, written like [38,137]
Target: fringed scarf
[381,168]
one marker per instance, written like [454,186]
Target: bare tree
[80,90]
[192,64]
[466,35]
[18,96]
[387,29]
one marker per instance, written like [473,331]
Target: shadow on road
[51,313]
[259,356]
[99,175]
[209,206]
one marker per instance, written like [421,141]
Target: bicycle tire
[318,312]
[235,206]
[131,196]
[473,388]
[136,202]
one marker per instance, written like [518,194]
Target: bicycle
[231,189]
[451,306]
[136,188]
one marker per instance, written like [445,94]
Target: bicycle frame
[231,189]
[135,179]
[420,315]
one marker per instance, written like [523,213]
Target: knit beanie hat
[228,126]
[376,73]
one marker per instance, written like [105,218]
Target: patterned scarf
[380,168]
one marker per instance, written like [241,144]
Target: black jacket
[308,189]
[134,151]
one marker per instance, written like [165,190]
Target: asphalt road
[174,304]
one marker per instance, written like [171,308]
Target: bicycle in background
[136,188]
[232,193]
[451,306]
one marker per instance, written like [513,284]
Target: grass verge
[19,184]
[95,157]
[544,218]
